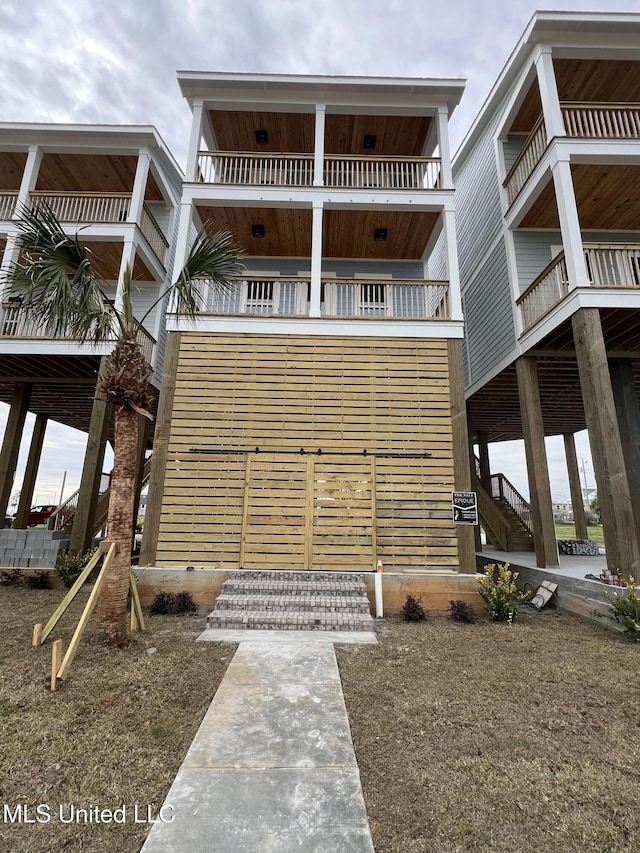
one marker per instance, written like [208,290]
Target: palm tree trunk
[111,613]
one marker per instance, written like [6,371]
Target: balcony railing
[272,170]
[7,205]
[17,324]
[607,266]
[581,121]
[532,150]
[354,299]
[601,121]
[106,207]
[289,170]
[398,173]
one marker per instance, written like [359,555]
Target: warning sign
[464,506]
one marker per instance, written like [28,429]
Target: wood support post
[144,425]
[485,465]
[577,501]
[160,451]
[472,467]
[626,402]
[544,531]
[31,472]
[85,515]
[11,443]
[460,440]
[621,541]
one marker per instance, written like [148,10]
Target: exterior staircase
[505,514]
[292,601]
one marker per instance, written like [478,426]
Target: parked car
[40,514]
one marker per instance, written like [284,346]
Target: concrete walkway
[272,766]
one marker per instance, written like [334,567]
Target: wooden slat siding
[285,392]
[490,335]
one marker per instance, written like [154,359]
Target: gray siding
[437,264]
[490,334]
[533,253]
[339,268]
[511,147]
[478,215]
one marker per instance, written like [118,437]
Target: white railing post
[318,161]
[29,178]
[316,260]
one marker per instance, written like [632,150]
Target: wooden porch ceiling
[63,386]
[346,233]
[495,408]
[12,165]
[93,173]
[589,80]
[106,258]
[606,196]
[401,136]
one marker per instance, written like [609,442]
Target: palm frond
[55,281]
[212,263]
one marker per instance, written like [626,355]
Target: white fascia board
[101,232]
[48,346]
[319,326]
[214,195]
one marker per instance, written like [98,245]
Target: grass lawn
[115,733]
[491,737]
[568,531]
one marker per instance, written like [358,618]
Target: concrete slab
[257,811]
[272,766]
[240,635]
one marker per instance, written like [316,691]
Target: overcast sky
[90,61]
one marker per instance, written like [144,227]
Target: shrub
[11,578]
[69,567]
[173,604]
[498,590]
[413,611]
[460,611]
[625,610]
[38,580]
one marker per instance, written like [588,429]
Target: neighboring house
[118,188]
[548,201]
[313,411]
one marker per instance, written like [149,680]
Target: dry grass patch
[492,737]
[115,734]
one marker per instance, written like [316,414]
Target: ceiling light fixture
[257,230]
[380,234]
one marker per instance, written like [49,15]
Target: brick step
[293,620]
[301,602]
[281,574]
[288,586]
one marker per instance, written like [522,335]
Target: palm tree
[58,286]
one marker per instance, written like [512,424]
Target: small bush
[38,580]
[625,610]
[499,592]
[172,604]
[413,611]
[69,567]
[460,611]
[11,578]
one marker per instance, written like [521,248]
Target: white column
[549,93]
[453,270]
[446,179]
[191,172]
[139,186]
[128,257]
[316,260]
[182,246]
[29,178]
[570,225]
[318,161]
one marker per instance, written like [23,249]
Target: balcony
[289,297]
[297,170]
[16,325]
[8,202]
[103,208]
[581,121]
[609,267]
